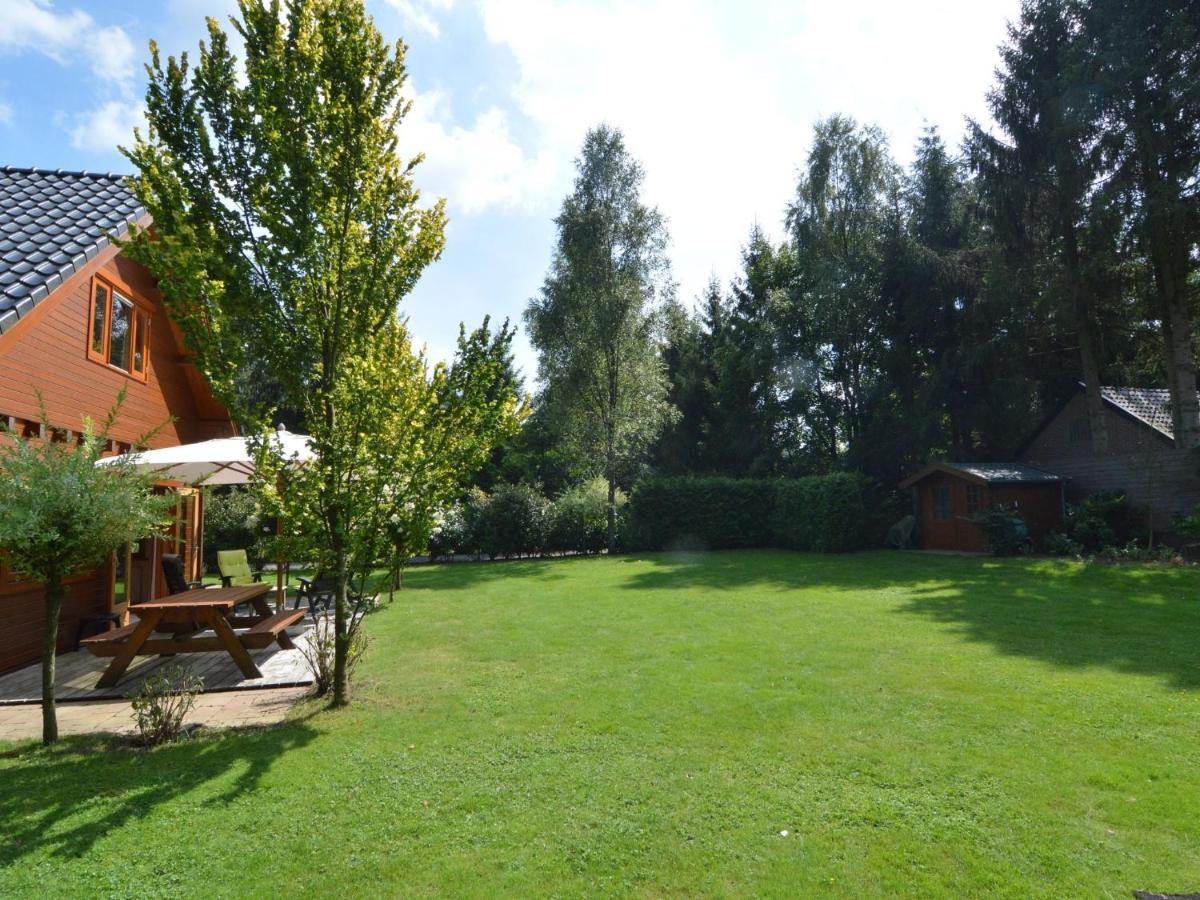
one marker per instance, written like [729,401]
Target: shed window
[974,498]
[941,502]
[119,330]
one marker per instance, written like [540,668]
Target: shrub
[516,522]
[1006,532]
[318,651]
[579,518]
[449,535]
[232,521]
[1104,519]
[162,702]
[1059,544]
[1188,526]
[1136,552]
[824,513]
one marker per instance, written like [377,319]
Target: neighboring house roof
[52,223]
[986,473]
[1150,406]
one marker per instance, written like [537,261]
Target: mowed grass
[650,726]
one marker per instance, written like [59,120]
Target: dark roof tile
[53,223]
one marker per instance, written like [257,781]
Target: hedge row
[822,513]
[516,520]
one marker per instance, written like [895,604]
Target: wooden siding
[48,350]
[953,532]
[1040,505]
[24,615]
[1141,461]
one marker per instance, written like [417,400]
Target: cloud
[478,167]
[718,101]
[711,127]
[70,35]
[422,14]
[65,36]
[110,124]
[899,69]
[33,24]
[114,58]
[6,113]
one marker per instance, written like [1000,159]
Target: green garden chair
[235,568]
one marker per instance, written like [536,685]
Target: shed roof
[52,223]
[986,473]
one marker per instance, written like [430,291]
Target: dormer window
[119,330]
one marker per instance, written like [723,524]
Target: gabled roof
[1151,406]
[986,473]
[52,223]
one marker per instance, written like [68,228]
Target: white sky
[716,98]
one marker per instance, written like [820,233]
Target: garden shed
[947,495]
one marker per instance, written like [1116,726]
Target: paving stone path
[230,709]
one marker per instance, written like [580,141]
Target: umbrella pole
[279,564]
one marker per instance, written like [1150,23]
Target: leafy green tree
[60,513]
[232,518]
[681,447]
[931,327]
[595,324]
[287,226]
[1041,180]
[410,436]
[466,410]
[845,202]
[1142,61]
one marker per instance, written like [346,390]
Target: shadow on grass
[63,799]
[1136,619]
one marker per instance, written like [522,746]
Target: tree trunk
[1168,241]
[610,454]
[54,601]
[1181,361]
[397,574]
[341,632]
[1081,311]
[1091,388]
[612,514]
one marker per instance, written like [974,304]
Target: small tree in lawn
[466,410]
[61,514]
[287,228]
[410,436]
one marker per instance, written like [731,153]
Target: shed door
[938,531]
[947,505]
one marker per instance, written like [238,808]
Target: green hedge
[823,513]
[516,520]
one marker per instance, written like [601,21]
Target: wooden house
[1141,458]
[947,495]
[79,321]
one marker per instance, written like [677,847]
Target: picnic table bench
[180,617]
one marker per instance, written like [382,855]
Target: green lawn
[918,725]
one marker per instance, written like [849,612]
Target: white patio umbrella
[216,462]
[221,461]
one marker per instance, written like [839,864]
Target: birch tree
[596,322]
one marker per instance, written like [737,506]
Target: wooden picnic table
[188,613]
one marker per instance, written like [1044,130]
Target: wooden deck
[77,673]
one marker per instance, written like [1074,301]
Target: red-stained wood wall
[47,352]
